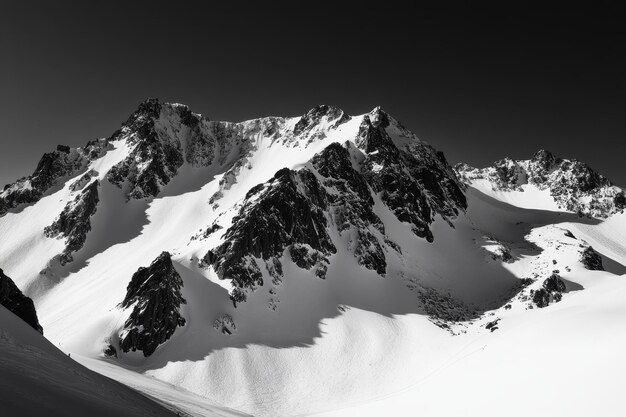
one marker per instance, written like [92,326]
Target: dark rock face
[541,298]
[314,116]
[492,325]
[552,291]
[591,259]
[160,163]
[96,148]
[443,309]
[110,352]
[573,185]
[74,221]
[51,168]
[554,284]
[17,303]
[351,205]
[55,165]
[287,210]
[296,210]
[415,183]
[153,161]
[214,228]
[83,180]
[620,201]
[164,137]
[155,295]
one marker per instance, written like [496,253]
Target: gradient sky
[478,82]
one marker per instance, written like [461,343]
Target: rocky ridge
[51,170]
[73,223]
[164,136]
[297,211]
[573,185]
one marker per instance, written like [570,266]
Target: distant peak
[63,148]
[543,155]
[378,117]
[324,109]
[313,117]
[149,107]
[178,105]
[149,101]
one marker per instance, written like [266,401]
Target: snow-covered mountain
[572,185]
[292,266]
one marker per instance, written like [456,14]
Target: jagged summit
[573,185]
[160,140]
[324,109]
[53,168]
[544,155]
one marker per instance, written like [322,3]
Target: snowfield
[418,341]
[562,360]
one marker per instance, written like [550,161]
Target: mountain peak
[316,115]
[378,117]
[154,297]
[149,107]
[545,158]
[573,185]
[543,154]
[324,109]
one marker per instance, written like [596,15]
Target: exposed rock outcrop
[415,182]
[297,210]
[318,116]
[74,223]
[554,284]
[591,259]
[153,161]
[552,291]
[154,294]
[52,167]
[289,209]
[351,205]
[17,303]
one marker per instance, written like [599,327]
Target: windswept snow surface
[562,360]
[37,379]
[355,343]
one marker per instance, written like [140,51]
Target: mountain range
[324,264]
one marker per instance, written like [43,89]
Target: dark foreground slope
[37,379]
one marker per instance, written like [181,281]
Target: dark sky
[478,82]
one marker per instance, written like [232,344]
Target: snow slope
[563,360]
[411,339]
[38,379]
